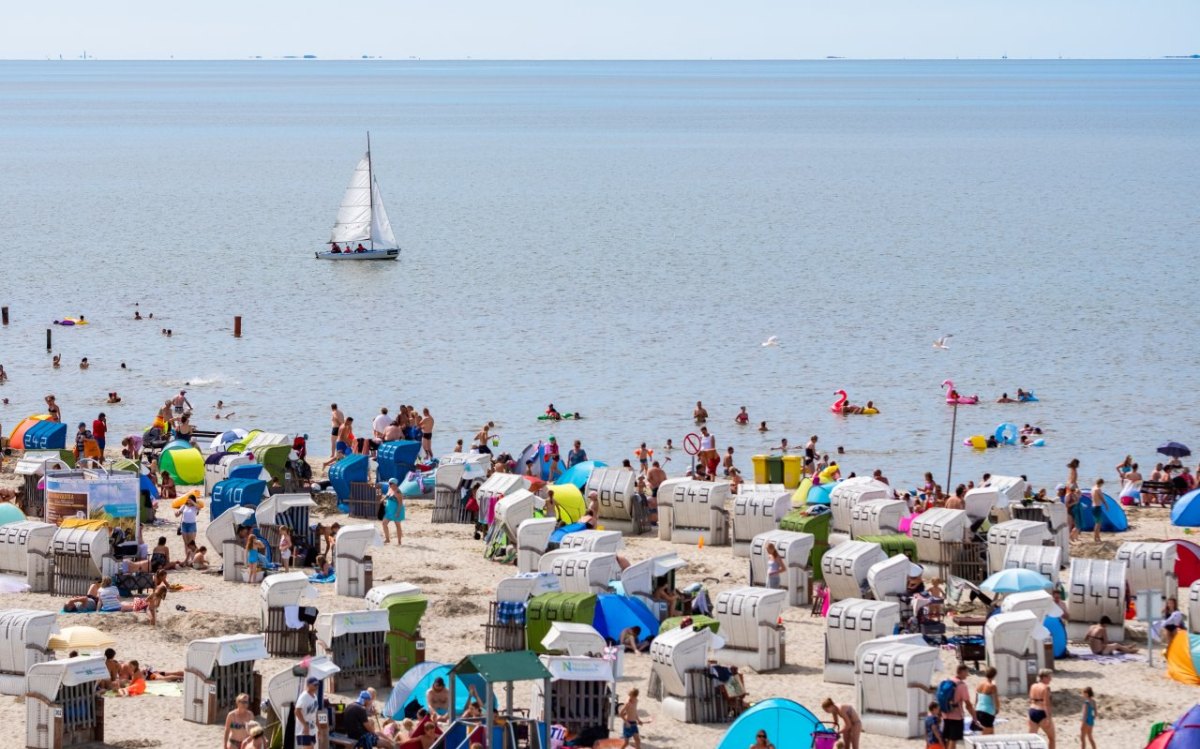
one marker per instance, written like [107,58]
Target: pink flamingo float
[840,403]
[842,407]
[953,397]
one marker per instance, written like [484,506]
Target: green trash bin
[406,646]
[774,469]
[801,521]
[542,610]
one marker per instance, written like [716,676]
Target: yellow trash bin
[793,471]
[760,468]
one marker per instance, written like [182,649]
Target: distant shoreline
[377,58]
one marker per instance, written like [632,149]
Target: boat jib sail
[362,217]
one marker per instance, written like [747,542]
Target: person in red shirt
[99,429]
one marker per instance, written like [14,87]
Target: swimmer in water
[137,315]
[872,407]
[762,427]
[83,363]
[57,361]
[123,366]
[669,446]
[1005,399]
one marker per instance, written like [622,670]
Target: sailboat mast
[370,191]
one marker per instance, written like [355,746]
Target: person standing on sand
[336,419]
[1099,505]
[1073,474]
[306,714]
[393,512]
[237,722]
[699,415]
[630,721]
[99,429]
[1041,713]
[576,454]
[426,426]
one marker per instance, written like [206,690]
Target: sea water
[618,238]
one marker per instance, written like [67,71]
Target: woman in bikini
[237,722]
[1041,716]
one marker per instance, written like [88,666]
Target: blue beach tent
[614,614]
[1113,520]
[788,725]
[1186,511]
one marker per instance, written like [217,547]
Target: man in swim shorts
[426,433]
[336,419]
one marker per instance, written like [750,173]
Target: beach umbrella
[1015,581]
[579,473]
[227,438]
[1174,450]
[80,638]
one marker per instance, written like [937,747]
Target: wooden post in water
[237,326]
[49,345]
[4,315]
[950,466]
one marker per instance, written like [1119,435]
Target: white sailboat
[362,230]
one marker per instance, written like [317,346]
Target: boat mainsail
[362,217]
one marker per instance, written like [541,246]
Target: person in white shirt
[187,516]
[380,425]
[306,714]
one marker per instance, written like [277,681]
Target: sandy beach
[448,565]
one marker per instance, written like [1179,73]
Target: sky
[600,29]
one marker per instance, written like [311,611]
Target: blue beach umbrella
[1174,450]
[1015,581]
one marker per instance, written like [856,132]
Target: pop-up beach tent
[1186,511]
[786,723]
[1112,521]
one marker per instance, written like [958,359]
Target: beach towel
[1085,654]
[330,578]
[291,617]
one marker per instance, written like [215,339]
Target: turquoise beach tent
[579,473]
[1112,521]
[404,703]
[788,725]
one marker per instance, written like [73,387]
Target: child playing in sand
[137,685]
[1088,719]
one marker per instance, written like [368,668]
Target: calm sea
[618,238]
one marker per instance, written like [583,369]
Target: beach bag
[945,695]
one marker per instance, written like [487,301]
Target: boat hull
[368,255]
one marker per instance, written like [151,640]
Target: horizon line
[379,58]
